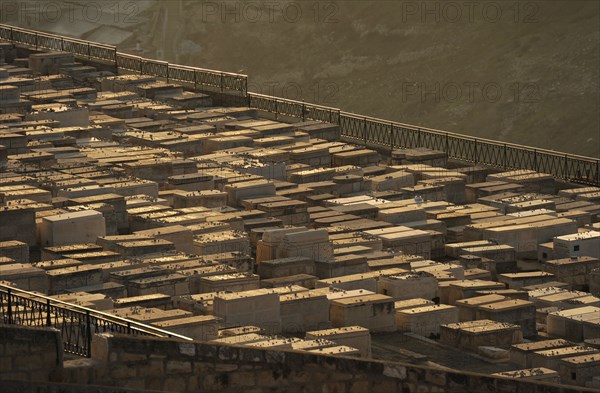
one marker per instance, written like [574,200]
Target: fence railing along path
[386,134]
[225,82]
[359,129]
[77,324]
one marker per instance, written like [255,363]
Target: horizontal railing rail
[358,129]
[370,131]
[77,324]
[291,108]
[200,78]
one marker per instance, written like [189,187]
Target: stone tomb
[426,320]
[451,291]
[515,311]
[409,285]
[520,354]
[405,239]
[25,276]
[579,370]
[313,244]
[576,324]
[60,280]
[304,311]
[524,279]
[532,374]
[467,308]
[15,250]
[233,282]
[180,236]
[577,244]
[283,267]
[471,335]
[342,265]
[353,336]
[221,242]
[259,307]
[246,190]
[550,357]
[303,280]
[198,327]
[158,300]
[68,228]
[375,312]
[169,284]
[575,271]
[18,223]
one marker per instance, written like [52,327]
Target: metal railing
[200,78]
[355,128]
[77,324]
[369,131]
[291,108]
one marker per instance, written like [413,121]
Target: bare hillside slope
[521,72]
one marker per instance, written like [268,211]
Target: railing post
[10,318]
[447,145]
[48,319]
[419,132]
[365,130]
[195,81]
[222,82]
[276,109]
[88,330]
[304,111]
[535,161]
[167,72]
[597,173]
[62,44]
[566,170]
[36,41]
[128,327]
[391,136]
[475,155]
[89,51]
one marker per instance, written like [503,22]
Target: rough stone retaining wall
[119,363]
[30,354]
[144,363]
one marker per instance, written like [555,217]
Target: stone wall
[30,354]
[118,363]
[144,363]
[46,387]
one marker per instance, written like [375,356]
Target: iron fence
[200,78]
[355,128]
[369,131]
[76,324]
[291,108]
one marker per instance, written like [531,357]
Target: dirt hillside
[524,72]
[519,71]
